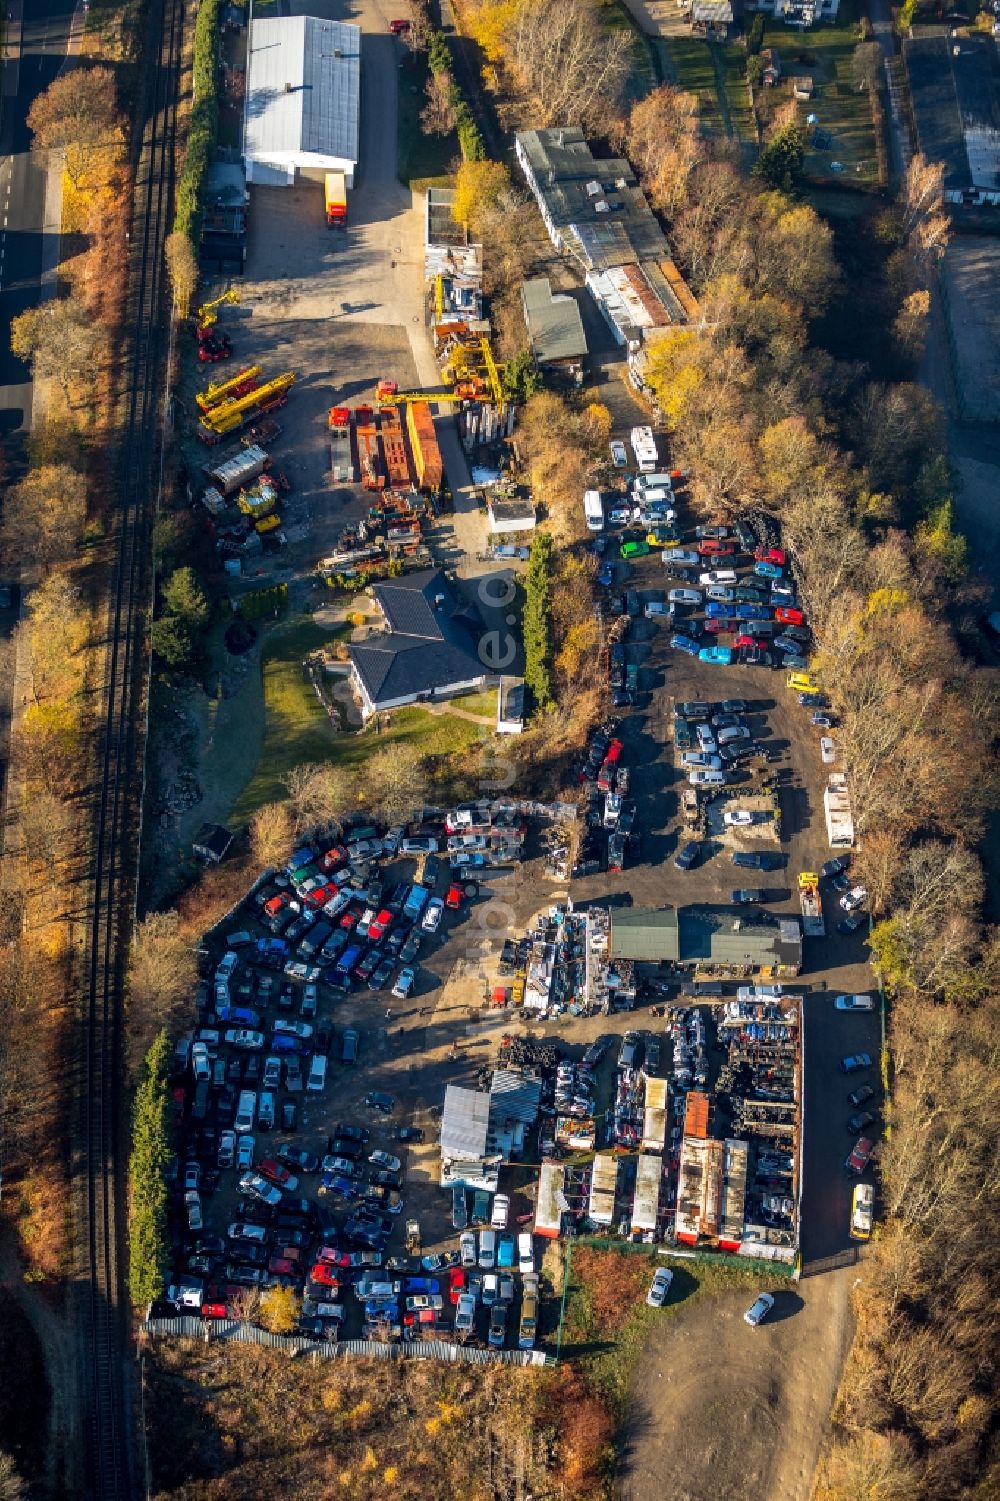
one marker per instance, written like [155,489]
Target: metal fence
[209,1330]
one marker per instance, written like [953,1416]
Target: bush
[755,36]
[439,60]
[537,622]
[264,603]
[149,1248]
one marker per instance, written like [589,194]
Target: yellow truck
[335,192]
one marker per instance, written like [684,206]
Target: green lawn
[421,160]
[692,67]
[642,76]
[297,729]
[737,93]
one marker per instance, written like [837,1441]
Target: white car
[827,750]
[385,1160]
[465,1314]
[336,904]
[737,818]
[855,1003]
[501,1209]
[718,576]
[684,596]
[706,778]
[732,733]
[259,1188]
[467,1248]
[243,1230]
[759,1310]
[487,1250]
[431,920]
[525,1254]
[192,1203]
[245,1038]
[244,1152]
[856,897]
[619,458]
[226,1154]
[706,740]
[702,759]
[292,1028]
[201,1065]
[660,1286]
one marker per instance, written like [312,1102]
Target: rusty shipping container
[369,451]
[394,448]
[423,442]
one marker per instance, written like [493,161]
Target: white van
[660,480]
[317,1073]
[593,510]
[246,1110]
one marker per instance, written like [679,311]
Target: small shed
[511,513]
[212,842]
[554,325]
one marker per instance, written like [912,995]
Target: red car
[333,859]
[380,927]
[274,1172]
[750,641]
[716,626]
[711,547]
[349,919]
[214,1311]
[281,1266]
[330,1256]
[274,906]
[788,616]
[399,28]
[324,1275]
[453,899]
[456,1283]
[425,1316]
[860,1153]
[770,555]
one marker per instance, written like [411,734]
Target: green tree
[780,162]
[149,1250]
[521,377]
[171,641]
[184,597]
[537,622]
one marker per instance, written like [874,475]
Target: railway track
[109,1465]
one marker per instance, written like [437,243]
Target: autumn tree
[272,835]
[46,821]
[909,328]
[59,340]
[280,1309]
[182,268]
[44,514]
[78,115]
[393,783]
[924,226]
[438,115]
[163,974]
[665,142]
[320,794]
[480,187]
[573,68]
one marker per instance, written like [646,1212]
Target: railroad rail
[109,1435]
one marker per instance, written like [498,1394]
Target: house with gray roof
[708,935]
[554,325]
[302,105]
[427,649]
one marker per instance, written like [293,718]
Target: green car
[634,549]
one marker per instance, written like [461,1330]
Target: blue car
[282,1043]
[422,1285]
[238,1016]
[767,570]
[787,645]
[505,1251]
[272,946]
[684,643]
[606,573]
[751,612]
[336,1183]
[855,1063]
[722,655]
[716,609]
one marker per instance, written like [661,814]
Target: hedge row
[537,622]
[439,60]
[204,128]
[152,1123]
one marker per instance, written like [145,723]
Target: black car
[859,1096]
[852,923]
[376,1100]
[321,1042]
[350,1132]
[733,706]
[835,867]
[747,896]
[340,1146]
[692,710]
[408,1133]
[297,1160]
[297,1209]
[758,860]
[289,1117]
[652,1055]
[286,998]
[251,1070]
[688,856]
[857,1123]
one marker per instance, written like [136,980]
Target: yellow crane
[207,316]
[219,391]
[223,419]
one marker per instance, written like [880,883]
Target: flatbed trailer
[424,446]
[394,448]
[370,459]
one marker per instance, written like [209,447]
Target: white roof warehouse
[302,100]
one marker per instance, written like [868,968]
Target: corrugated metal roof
[303,88]
[514,1097]
[696,1114]
[464,1122]
[646,1203]
[644,934]
[555,327]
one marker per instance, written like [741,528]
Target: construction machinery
[424,445]
[215,348]
[219,392]
[470,360]
[207,315]
[232,415]
[813,925]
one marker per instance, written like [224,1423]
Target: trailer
[644,448]
[837,808]
[343,469]
[370,459]
[603,1186]
[550,1204]
[239,470]
[862,1212]
[335,196]
[811,904]
[394,448]
[654,1128]
[646,1200]
[424,446]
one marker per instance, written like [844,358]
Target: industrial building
[703,936]
[482,1129]
[554,326]
[956,112]
[302,106]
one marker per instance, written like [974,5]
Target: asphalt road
[28,70]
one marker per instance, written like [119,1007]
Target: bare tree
[162,976]
[320,794]
[438,117]
[572,66]
[44,514]
[45,824]
[12,1487]
[924,226]
[394,783]
[272,834]
[182,265]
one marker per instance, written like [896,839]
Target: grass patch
[642,76]
[741,114]
[484,703]
[297,729]
[422,160]
[691,65]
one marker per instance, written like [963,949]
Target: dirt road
[722,1411]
